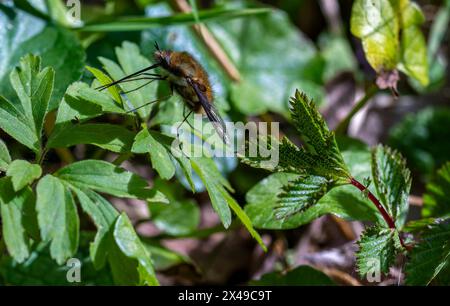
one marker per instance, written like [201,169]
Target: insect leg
[154,101]
[179,126]
[145,84]
[137,73]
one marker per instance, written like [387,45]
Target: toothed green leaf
[378,248]
[392,180]
[320,154]
[430,258]
[300,195]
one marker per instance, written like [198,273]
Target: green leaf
[392,180]
[82,94]
[318,156]
[300,276]
[107,136]
[391,36]
[131,60]
[414,61]
[5,158]
[414,54]
[344,201]
[129,243]
[437,60]
[103,214]
[58,47]
[415,226]
[57,217]
[215,185]
[15,208]
[23,173]
[218,187]
[115,241]
[176,218]
[419,138]
[80,104]
[263,86]
[145,142]
[320,143]
[375,23]
[41,269]
[318,161]
[104,80]
[242,216]
[378,248]
[14,123]
[142,23]
[436,200]
[430,258]
[301,194]
[105,177]
[34,88]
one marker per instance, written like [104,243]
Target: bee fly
[188,78]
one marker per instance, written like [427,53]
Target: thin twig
[211,43]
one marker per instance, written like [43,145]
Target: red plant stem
[390,222]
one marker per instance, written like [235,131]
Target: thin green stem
[40,156]
[343,125]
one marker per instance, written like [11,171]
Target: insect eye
[202,87]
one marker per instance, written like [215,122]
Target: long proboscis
[128,76]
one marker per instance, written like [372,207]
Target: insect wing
[211,113]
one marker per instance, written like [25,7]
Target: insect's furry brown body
[191,82]
[181,66]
